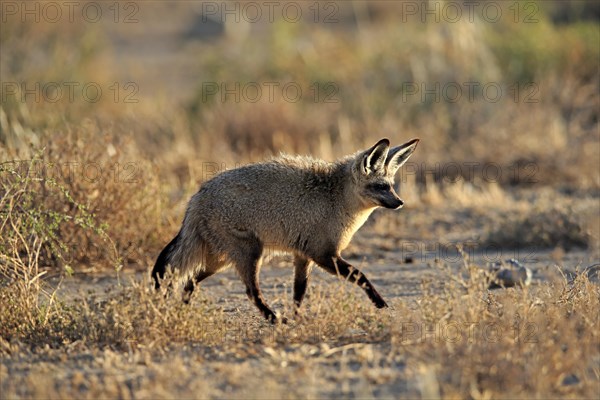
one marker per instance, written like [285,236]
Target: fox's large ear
[398,156]
[374,159]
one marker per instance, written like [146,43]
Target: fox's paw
[381,304]
[273,319]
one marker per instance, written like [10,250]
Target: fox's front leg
[336,265]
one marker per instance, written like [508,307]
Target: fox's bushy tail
[160,267]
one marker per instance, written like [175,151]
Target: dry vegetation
[93,190]
[456,340]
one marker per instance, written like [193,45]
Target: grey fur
[305,206]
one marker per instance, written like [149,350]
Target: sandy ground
[395,279]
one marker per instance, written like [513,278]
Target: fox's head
[373,172]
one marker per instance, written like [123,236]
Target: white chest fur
[353,225]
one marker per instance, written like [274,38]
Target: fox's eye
[381,186]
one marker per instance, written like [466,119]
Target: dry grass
[454,340]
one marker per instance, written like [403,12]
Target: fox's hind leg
[302,270]
[336,265]
[188,289]
[210,266]
[247,260]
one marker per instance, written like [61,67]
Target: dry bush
[28,306]
[541,229]
[38,214]
[87,189]
[90,190]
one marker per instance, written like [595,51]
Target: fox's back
[283,201]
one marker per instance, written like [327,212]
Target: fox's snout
[383,195]
[389,199]
[393,203]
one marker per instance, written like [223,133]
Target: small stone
[570,380]
[510,273]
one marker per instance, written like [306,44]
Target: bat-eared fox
[300,205]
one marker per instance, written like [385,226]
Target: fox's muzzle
[392,203]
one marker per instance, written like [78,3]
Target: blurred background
[126,107]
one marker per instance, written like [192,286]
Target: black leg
[188,289]
[302,271]
[247,262]
[338,266]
